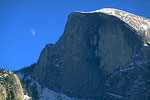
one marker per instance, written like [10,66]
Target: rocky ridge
[140,24]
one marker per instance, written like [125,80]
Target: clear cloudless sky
[26,26]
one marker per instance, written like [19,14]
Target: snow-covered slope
[137,76]
[137,22]
[43,92]
[140,24]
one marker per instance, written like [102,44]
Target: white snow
[26,97]
[3,75]
[115,95]
[144,27]
[145,45]
[47,94]
[106,10]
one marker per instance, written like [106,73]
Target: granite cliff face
[10,86]
[88,59]
[132,81]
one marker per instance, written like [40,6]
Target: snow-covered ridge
[137,22]
[140,24]
[43,92]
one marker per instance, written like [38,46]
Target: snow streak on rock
[43,92]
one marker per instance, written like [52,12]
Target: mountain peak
[106,10]
[138,23]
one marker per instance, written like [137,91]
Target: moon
[33,32]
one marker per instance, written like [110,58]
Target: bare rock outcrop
[10,86]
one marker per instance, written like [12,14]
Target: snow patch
[115,95]
[26,97]
[144,27]
[145,45]
[45,93]
[51,95]
[3,75]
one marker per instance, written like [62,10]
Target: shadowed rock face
[131,82]
[10,86]
[92,47]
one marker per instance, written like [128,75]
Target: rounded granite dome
[10,86]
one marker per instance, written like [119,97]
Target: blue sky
[26,26]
